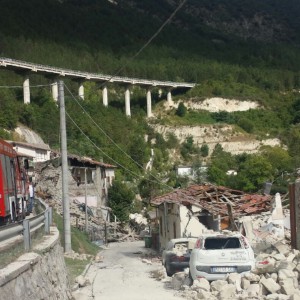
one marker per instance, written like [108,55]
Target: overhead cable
[148,42]
[157,180]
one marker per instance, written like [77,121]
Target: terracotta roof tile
[215,199]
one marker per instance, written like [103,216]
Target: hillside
[238,50]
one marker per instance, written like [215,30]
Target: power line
[21,86]
[148,42]
[117,163]
[103,130]
[137,175]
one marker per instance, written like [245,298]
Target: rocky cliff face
[29,136]
[231,140]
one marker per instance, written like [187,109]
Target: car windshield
[222,243]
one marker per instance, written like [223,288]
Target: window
[212,243]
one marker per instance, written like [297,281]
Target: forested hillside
[231,49]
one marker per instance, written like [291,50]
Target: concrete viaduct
[26,68]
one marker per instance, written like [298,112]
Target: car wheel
[169,273]
[190,279]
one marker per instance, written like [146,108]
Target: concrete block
[285,273]
[277,297]
[270,285]
[217,285]
[178,280]
[274,276]
[201,284]
[252,277]
[284,264]
[287,286]
[245,283]
[82,281]
[205,295]
[282,248]
[227,292]
[291,257]
[295,297]
[253,290]
[279,256]
[266,266]
[235,279]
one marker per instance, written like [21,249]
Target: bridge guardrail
[96,76]
[24,229]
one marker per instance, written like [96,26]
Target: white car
[217,254]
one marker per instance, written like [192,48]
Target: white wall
[178,224]
[184,171]
[38,155]
[193,227]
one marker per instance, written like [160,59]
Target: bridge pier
[149,108]
[26,90]
[104,96]
[81,90]
[127,102]
[54,90]
[169,97]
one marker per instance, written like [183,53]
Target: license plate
[223,269]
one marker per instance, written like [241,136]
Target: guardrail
[27,227]
[14,63]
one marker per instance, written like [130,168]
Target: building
[36,152]
[93,178]
[187,212]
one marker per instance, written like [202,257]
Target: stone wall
[40,274]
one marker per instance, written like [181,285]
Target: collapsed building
[188,212]
[88,184]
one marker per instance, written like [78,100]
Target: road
[122,275]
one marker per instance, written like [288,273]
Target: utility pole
[86,214]
[64,165]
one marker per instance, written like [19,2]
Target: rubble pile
[275,277]
[48,177]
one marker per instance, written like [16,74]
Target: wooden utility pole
[64,165]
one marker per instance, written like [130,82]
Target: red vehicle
[13,184]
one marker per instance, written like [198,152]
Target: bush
[181,110]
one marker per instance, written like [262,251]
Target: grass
[75,267]
[10,255]
[80,243]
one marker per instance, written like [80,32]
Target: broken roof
[215,199]
[88,160]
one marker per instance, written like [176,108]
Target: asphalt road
[124,276]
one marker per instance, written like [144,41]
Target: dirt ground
[122,275]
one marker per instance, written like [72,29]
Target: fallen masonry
[275,277]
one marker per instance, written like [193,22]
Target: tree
[181,110]
[120,200]
[150,186]
[204,150]
[255,171]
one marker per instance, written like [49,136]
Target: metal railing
[18,64]
[24,229]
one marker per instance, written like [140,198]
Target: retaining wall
[40,274]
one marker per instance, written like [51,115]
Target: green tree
[120,200]
[279,158]
[254,172]
[204,150]
[181,110]
[246,124]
